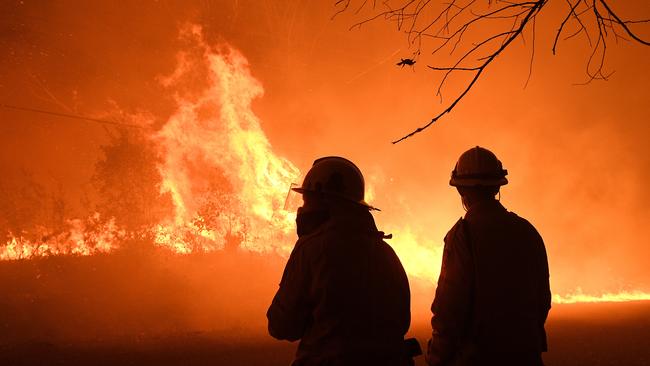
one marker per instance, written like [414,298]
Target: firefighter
[493,293]
[344,293]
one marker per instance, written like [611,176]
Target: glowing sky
[578,156]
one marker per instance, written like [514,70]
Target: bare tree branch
[568,16]
[453,25]
[346,4]
[532,55]
[624,24]
[582,26]
[532,12]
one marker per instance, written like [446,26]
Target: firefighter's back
[360,294]
[512,295]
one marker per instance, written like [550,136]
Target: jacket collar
[483,207]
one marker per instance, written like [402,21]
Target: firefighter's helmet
[478,167]
[335,176]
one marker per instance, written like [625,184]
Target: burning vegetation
[207,178]
[203,180]
[141,200]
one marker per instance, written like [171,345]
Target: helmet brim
[472,182]
[363,203]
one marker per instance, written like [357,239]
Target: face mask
[308,221]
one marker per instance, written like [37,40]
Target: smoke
[577,156]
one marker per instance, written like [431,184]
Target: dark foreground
[152,309]
[582,334]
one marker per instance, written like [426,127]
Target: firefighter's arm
[399,272]
[451,307]
[545,286]
[545,289]
[289,314]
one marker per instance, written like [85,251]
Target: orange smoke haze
[235,99]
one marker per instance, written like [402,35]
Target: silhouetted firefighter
[493,293]
[344,293]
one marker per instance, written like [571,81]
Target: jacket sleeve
[452,304]
[398,273]
[545,290]
[289,312]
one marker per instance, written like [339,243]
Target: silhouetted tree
[23,203]
[128,181]
[477,31]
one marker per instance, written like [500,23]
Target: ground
[146,308]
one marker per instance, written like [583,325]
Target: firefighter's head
[478,175]
[332,186]
[333,181]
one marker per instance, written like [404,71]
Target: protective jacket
[493,294]
[344,294]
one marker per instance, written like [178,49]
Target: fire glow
[219,129]
[225,181]
[579,296]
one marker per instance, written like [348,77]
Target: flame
[215,136]
[579,296]
[420,257]
[225,181]
[84,237]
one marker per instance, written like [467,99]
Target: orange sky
[577,156]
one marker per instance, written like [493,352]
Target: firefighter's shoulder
[524,224]
[456,231]
[311,238]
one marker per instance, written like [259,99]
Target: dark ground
[597,334]
[154,309]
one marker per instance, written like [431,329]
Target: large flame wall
[577,156]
